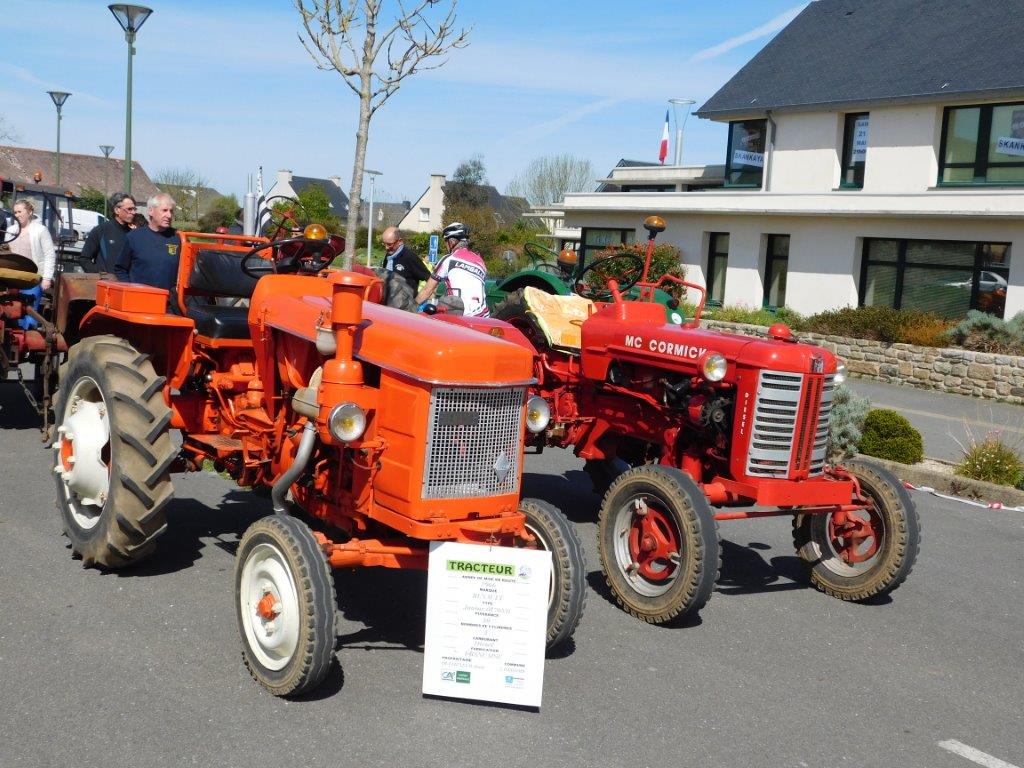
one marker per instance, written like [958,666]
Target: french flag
[663,151]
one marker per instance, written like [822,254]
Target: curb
[951,484]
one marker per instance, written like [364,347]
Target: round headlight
[346,422]
[714,366]
[840,375]
[538,414]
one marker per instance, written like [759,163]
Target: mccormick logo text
[665,347]
[467,566]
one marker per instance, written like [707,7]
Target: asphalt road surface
[144,668]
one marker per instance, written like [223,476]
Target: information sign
[433,249]
[486,623]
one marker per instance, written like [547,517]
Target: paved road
[946,422]
[144,668]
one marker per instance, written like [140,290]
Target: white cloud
[534,132]
[770,28]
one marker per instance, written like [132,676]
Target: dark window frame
[585,249]
[715,256]
[981,162]
[846,159]
[901,265]
[728,156]
[769,267]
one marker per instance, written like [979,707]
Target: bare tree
[333,28]
[7,133]
[548,179]
[186,186]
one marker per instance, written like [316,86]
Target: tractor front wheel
[858,555]
[112,452]
[284,597]
[658,541]
[552,531]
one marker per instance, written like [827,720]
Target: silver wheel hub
[269,607]
[82,452]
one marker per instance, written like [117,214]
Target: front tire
[859,555]
[285,605]
[112,452]
[658,541]
[567,595]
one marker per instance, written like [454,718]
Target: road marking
[991,425]
[974,755]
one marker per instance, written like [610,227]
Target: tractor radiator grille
[474,441]
[789,438]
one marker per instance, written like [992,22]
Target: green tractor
[552,273]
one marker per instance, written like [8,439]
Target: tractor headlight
[538,414]
[714,366]
[347,422]
[840,375]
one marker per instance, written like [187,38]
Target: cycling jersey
[463,274]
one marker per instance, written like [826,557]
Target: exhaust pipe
[290,475]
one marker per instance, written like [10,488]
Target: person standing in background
[34,242]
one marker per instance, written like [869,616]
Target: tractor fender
[531,277]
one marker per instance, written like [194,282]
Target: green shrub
[846,425]
[987,333]
[886,324]
[888,435]
[667,259]
[993,461]
[741,313]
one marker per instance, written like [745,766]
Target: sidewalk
[943,419]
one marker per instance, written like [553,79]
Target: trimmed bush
[988,333]
[888,435]
[666,259]
[993,461]
[849,410]
[881,324]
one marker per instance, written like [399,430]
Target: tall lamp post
[59,97]
[131,18]
[369,215]
[106,149]
[679,128]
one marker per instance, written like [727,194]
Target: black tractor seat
[216,322]
[218,273]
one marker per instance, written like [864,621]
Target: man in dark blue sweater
[150,254]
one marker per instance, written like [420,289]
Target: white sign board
[860,139]
[742,157]
[1007,145]
[486,623]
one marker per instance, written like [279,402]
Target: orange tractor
[387,430]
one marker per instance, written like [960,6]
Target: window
[776,267]
[424,214]
[983,145]
[744,158]
[718,259]
[943,277]
[594,240]
[855,150]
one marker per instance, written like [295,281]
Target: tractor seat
[216,322]
[558,317]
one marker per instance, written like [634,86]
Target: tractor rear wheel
[858,555]
[567,595]
[514,310]
[112,452]
[658,541]
[285,604]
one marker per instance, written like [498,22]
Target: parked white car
[989,282]
[82,223]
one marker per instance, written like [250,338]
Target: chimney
[284,178]
[436,182]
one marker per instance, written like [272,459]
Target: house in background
[290,185]
[384,214]
[642,176]
[427,213]
[875,156]
[77,172]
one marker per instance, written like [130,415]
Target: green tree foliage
[888,435]
[221,213]
[464,188]
[314,207]
[90,199]
[666,260]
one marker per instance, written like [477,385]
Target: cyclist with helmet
[462,271]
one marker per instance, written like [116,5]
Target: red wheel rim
[855,536]
[653,543]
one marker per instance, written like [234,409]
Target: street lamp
[59,97]
[106,149]
[369,224]
[131,18]
[679,128]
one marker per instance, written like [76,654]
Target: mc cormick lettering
[664,347]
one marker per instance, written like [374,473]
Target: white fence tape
[971,502]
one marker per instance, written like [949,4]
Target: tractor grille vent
[790,429]
[474,442]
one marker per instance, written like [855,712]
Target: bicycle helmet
[456,229]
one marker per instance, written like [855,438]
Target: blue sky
[225,86]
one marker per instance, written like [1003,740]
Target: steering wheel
[626,268]
[541,259]
[9,227]
[309,256]
[284,219]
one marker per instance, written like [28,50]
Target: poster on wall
[1014,143]
[487,611]
[860,139]
[742,157]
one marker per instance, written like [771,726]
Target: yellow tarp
[559,317]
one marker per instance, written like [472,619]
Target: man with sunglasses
[402,260]
[105,242]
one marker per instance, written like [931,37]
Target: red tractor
[679,424]
[388,431]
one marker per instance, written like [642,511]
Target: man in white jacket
[34,242]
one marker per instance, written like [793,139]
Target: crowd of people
[146,249]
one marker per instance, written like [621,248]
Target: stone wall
[959,371]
